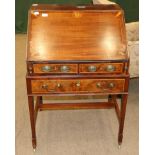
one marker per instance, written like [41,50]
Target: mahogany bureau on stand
[77,50]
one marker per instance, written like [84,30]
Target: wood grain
[68,34]
[101,68]
[56,68]
[77,37]
[77,86]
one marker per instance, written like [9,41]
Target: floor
[73,132]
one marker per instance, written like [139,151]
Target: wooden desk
[77,50]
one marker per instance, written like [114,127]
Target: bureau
[76,50]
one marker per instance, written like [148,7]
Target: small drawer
[55,68]
[101,68]
[47,86]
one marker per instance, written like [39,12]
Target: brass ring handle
[64,68]
[92,68]
[110,68]
[46,68]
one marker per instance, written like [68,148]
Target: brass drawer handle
[58,85]
[92,68]
[64,68]
[78,84]
[45,86]
[111,85]
[110,68]
[98,85]
[46,68]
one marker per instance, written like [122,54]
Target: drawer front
[55,68]
[101,68]
[78,86]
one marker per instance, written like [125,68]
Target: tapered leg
[122,118]
[32,120]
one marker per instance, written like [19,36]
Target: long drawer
[77,86]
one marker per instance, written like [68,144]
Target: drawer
[55,68]
[77,86]
[101,68]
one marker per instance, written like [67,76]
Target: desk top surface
[57,33]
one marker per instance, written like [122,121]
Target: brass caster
[119,146]
[34,150]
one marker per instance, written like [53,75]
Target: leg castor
[120,137]
[119,146]
[34,144]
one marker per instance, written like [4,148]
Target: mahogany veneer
[76,50]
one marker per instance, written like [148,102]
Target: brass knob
[98,85]
[46,68]
[78,84]
[110,68]
[111,85]
[92,68]
[58,85]
[64,68]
